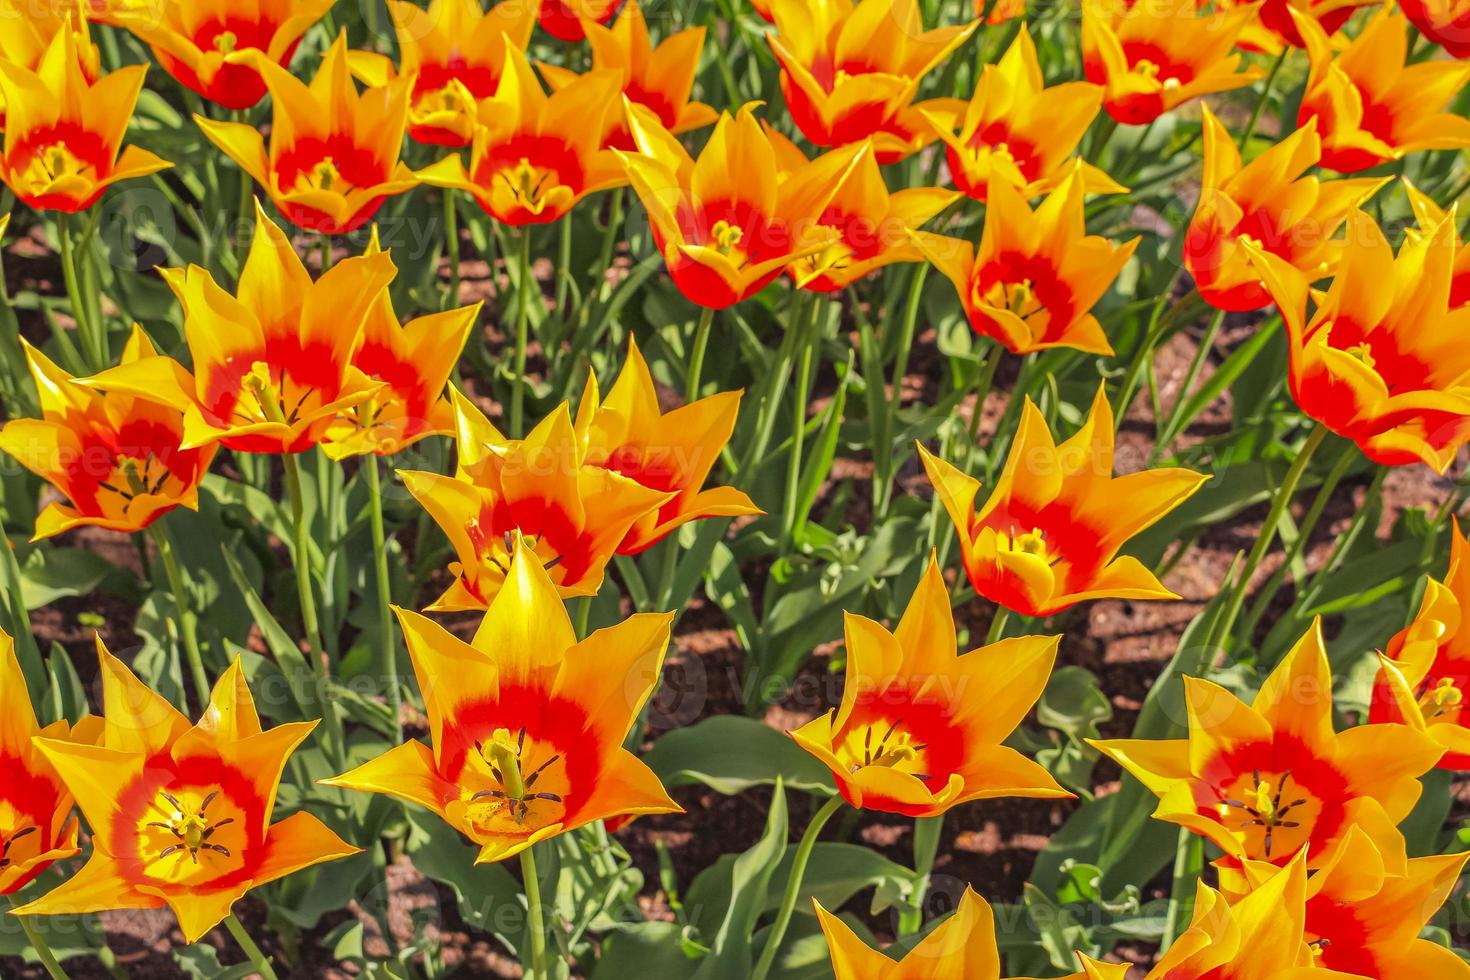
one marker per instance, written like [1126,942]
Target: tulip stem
[523,316]
[451,243]
[793,886]
[93,343]
[38,943]
[806,344]
[1176,420]
[252,952]
[696,355]
[388,649]
[901,364]
[1250,127]
[188,621]
[301,553]
[536,924]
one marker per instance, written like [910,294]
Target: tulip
[1049,535]
[658,78]
[1381,361]
[1036,274]
[1430,216]
[566,20]
[730,222]
[573,515]
[671,453]
[536,155]
[455,53]
[273,364]
[1445,22]
[1272,781]
[920,728]
[333,155]
[1371,106]
[850,71]
[119,460]
[29,29]
[63,133]
[1276,27]
[526,722]
[1426,669]
[1272,203]
[37,826]
[180,813]
[207,45]
[1018,131]
[1154,57]
[963,945]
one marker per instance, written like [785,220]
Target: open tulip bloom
[181,814]
[30,29]
[527,723]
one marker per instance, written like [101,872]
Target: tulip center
[132,477]
[1364,354]
[496,552]
[515,791]
[6,843]
[726,236]
[187,830]
[1032,542]
[1018,298]
[225,41]
[1442,701]
[1272,813]
[529,184]
[269,397]
[52,163]
[885,744]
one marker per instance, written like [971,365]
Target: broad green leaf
[732,753]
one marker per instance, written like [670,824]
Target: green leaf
[58,573]
[650,950]
[482,891]
[1073,703]
[732,753]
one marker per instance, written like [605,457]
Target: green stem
[984,379]
[901,363]
[537,920]
[806,345]
[1181,890]
[583,613]
[1250,127]
[252,952]
[523,317]
[696,356]
[38,943]
[301,554]
[997,625]
[94,344]
[188,621]
[451,243]
[563,267]
[1176,420]
[770,404]
[324,249]
[667,570]
[388,651]
[927,832]
[245,209]
[1144,357]
[793,887]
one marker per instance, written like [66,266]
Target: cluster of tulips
[533,721]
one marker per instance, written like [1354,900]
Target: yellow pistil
[225,41]
[1363,353]
[323,177]
[528,183]
[1015,297]
[726,236]
[1442,699]
[504,754]
[50,164]
[887,746]
[191,827]
[1032,542]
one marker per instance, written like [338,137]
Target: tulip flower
[1272,780]
[1429,217]
[180,813]
[572,514]
[333,156]
[1049,535]
[730,222]
[536,155]
[1445,22]
[208,45]
[1426,670]
[1275,27]
[1036,274]
[118,460]
[1381,361]
[63,133]
[455,53]
[1018,131]
[920,729]
[1272,203]
[527,723]
[1371,106]
[1153,57]
[672,453]
[37,826]
[31,27]
[273,364]
[963,945]
[566,20]
[850,71]
[657,78]
[874,227]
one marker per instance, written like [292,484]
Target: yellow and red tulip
[565,20]
[658,78]
[207,45]
[1426,668]
[1371,106]
[573,515]
[28,28]
[850,71]
[728,223]
[273,364]
[1272,203]
[671,453]
[37,825]
[1037,274]
[1277,28]
[1153,57]
[1048,536]
[1273,781]
[119,460]
[1429,217]
[1381,360]
[63,133]
[180,813]
[1445,22]
[963,945]
[920,727]
[1017,130]
[333,154]
[526,722]
[536,155]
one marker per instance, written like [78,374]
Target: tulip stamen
[893,749]
[515,793]
[726,237]
[1265,808]
[8,841]
[1444,698]
[191,828]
